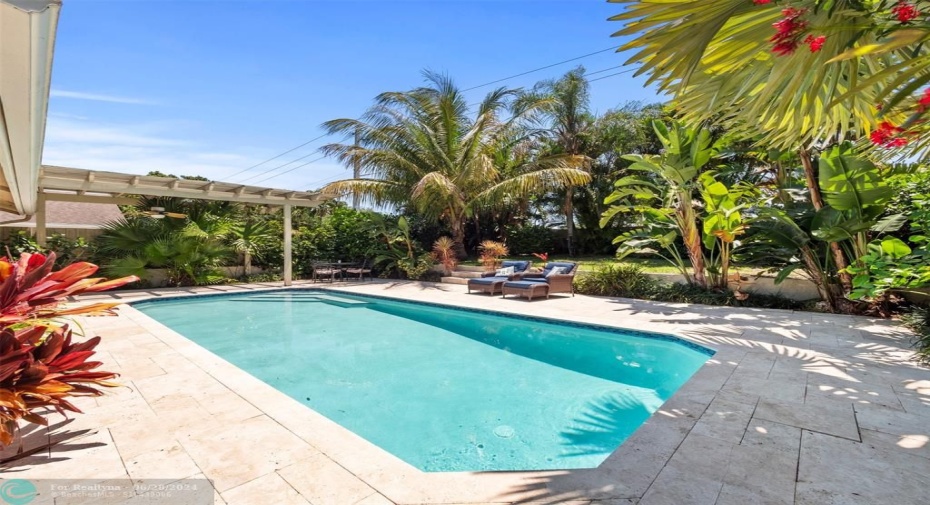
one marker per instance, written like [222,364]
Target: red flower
[542,256]
[788,31]
[924,103]
[761,2]
[815,43]
[888,135]
[905,11]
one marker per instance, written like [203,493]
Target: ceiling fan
[160,213]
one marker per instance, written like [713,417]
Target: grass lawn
[590,263]
[649,265]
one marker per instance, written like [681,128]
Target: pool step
[467,274]
[305,297]
[454,280]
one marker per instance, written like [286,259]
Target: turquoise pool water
[445,389]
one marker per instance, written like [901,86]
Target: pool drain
[504,431]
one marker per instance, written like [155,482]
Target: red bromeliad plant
[40,366]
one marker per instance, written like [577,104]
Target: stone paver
[793,408]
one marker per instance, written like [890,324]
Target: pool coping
[626,473]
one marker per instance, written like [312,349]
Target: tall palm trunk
[817,200]
[458,237]
[570,219]
[692,239]
[247,263]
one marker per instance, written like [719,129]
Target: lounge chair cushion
[518,265]
[556,271]
[526,284]
[505,271]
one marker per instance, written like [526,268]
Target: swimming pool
[445,389]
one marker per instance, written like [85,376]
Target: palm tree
[562,107]
[422,148]
[719,61]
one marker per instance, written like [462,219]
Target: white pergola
[65,184]
[27,43]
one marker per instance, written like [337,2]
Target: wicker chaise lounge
[534,285]
[491,283]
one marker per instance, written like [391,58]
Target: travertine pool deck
[795,407]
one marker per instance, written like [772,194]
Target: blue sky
[213,87]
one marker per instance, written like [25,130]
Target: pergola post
[40,220]
[288,274]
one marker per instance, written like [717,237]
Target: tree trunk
[692,239]
[247,263]
[817,199]
[458,238]
[570,220]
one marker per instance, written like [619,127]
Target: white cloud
[144,147]
[96,97]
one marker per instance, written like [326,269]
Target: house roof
[69,215]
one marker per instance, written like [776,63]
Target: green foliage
[660,200]
[623,280]
[918,320]
[20,242]
[428,151]
[69,250]
[527,239]
[629,281]
[717,59]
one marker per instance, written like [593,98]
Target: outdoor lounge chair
[534,285]
[361,269]
[491,283]
[324,270]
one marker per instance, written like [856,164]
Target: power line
[602,70]
[541,68]
[612,75]
[278,156]
[277,167]
[464,90]
[290,170]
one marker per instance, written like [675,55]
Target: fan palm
[423,149]
[719,61]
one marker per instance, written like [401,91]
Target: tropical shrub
[444,253]
[529,238]
[660,202]
[40,366]
[918,320]
[491,253]
[69,250]
[19,242]
[623,280]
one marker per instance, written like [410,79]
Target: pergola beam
[73,179]
[84,198]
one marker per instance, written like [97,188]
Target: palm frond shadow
[604,424]
[41,445]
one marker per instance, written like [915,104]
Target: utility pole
[356,169]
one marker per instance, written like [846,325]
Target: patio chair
[362,269]
[491,283]
[532,285]
[324,269]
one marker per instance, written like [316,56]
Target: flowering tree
[797,73]
[40,365]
